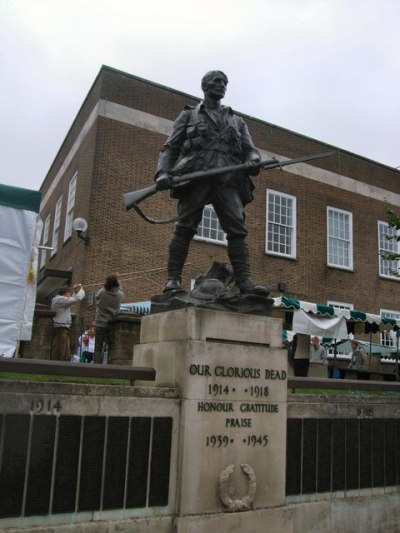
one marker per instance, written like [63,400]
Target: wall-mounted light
[80,226]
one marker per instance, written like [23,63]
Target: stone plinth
[127,332]
[39,347]
[232,374]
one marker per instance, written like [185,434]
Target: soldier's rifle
[133,198]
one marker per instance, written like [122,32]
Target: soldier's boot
[238,253]
[178,251]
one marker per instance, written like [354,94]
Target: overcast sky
[328,69]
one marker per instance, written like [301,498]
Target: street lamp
[80,226]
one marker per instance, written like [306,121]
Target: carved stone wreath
[243,504]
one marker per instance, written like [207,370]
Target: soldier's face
[215,87]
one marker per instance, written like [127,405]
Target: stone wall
[371,510]
[127,335]
[39,347]
[74,456]
[126,327]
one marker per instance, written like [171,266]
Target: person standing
[87,343]
[301,358]
[210,136]
[108,302]
[61,303]
[359,360]
[317,351]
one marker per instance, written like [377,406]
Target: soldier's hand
[163,181]
[253,167]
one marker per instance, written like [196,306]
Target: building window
[56,228]
[45,241]
[340,239]
[340,305]
[388,244]
[70,208]
[209,228]
[281,224]
[389,338]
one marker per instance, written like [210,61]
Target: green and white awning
[381,322]
[24,199]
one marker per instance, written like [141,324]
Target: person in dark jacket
[108,302]
[208,136]
[359,360]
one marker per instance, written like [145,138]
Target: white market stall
[318,319]
[20,233]
[336,325]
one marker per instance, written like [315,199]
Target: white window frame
[341,240]
[340,305]
[56,226]
[45,242]
[69,215]
[207,233]
[387,268]
[283,222]
[389,338]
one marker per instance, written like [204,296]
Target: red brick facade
[113,156]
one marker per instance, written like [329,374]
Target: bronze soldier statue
[210,135]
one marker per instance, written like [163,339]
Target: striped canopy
[329,311]
[140,308]
[283,302]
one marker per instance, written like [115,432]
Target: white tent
[322,326]
[20,232]
[329,321]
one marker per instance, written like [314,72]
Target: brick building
[315,229]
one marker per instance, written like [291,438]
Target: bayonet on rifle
[132,199]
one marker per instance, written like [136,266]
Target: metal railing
[61,368]
[341,384]
[57,464]
[326,455]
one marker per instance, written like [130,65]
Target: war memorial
[208,436]
[216,440]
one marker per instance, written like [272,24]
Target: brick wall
[117,157]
